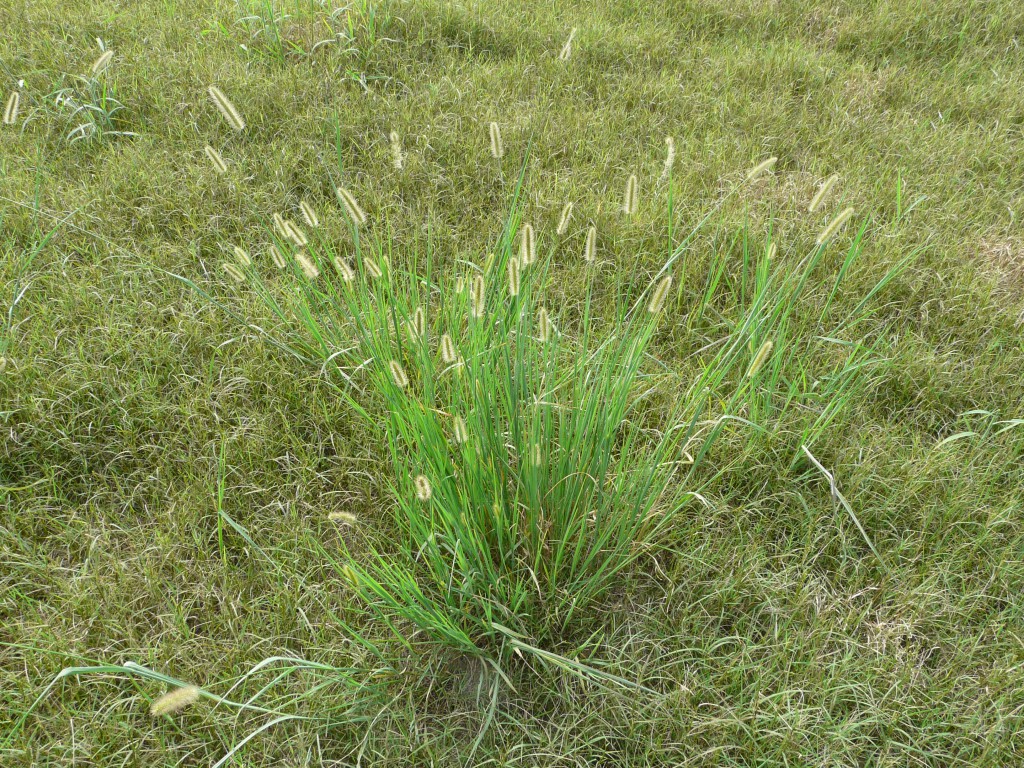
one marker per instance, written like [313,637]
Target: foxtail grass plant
[527,477]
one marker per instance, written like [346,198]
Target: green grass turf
[771,633]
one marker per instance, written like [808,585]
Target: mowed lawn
[167,474]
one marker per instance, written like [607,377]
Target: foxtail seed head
[563,222]
[242,256]
[309,214]
[280,226]
[307,265]
[398,374]
[397,155]
[277,257]
[216,159]
[347,273]
[513,277]
[372,268]
[343,517]
[567,48]
[448,352]
[174,701]
[234,272]
[101,63]
[545,328]
[631,200]
[11,111]
[762,167]
[417,325]
[423,489]
[461,431]
[527,246]
[835,226]
[226,108]
[822,191]
[478,297]
[659,295]
[759,359]
[670,156]
[590,246]
[770,253]
[295,233]
[352,208]
[497,150]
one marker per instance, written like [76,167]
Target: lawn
[202,479]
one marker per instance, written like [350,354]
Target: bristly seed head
[280,226]
[418,325]
[101,63]
[567,48]
[822,191]
[277,257]
[309,214]
[343,517]
[513,277]
[545,328]
[347,273]
[448,352]
[352,208]
[835,226]
[527,246]
[397,155]
[535,455]
[295,233]
[497,150]
[174,701]
[759,359]
[670,157]
[11,111]
[631,200]
[216,159]
[770,253]
[461,430]
[242,256]
[234,272]
[763,166]
[563,222]
[659,295]
[398,374]
[226,108]
[590,247]
[307,265]
[372,268]
[423,489]
[477,297]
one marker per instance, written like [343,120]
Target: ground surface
[774,636]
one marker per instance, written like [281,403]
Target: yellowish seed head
[309,214]
[497,150]
[234,272]
[590,246]
[397,155]
[216,159]
[660,293]
[175,701]
[762,167]
[545,328]
[478,297]
[567,48]
[513,277]
[372,268]
[242,256]
[631,200]
[418,325]
[339,516]
[836,224]
[822,191]
[448,352]
[11,110]
[307,265]
[398,374]
[527,246]
[277,257]
[347,273]
[461,431]
[563,221]
[759,359]
[226,108]
[295,234]
[423,489]
[101,63]
[352,208]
